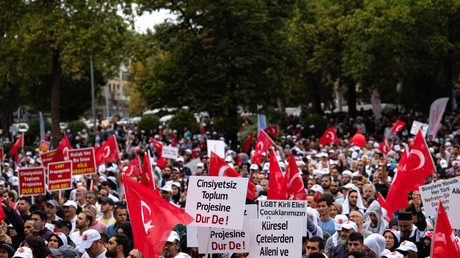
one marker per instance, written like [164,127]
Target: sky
[148,20]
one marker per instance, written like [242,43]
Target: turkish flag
[248,142]
[196,153]
[14,150]
[384,147]
[275,180]
[108,152]
[329,136]
[157,146]
[384,205]
[161,162]
[218,167]
[397,126]
[444,244]
[263,143]
[173,140]
[134,168]
[273,131]
[420,164]
[96,148]
[62,150]
[91,186]
[147,175]
[152,218]
[397,194]
[293,187]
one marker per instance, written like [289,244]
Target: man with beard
[353,202]
[171,248]
[346,177]
[84,221]
[410,231]
[358,218]
[118,246]
[334,188]
[347,228]
[326,182]
[24,208]
[51,209]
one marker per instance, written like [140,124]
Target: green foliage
[148,122]
[276,117]
[220,124]
[34,128]
[77,126]
[183,119]
[319,122]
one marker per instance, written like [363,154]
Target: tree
[58,38]
[217,56]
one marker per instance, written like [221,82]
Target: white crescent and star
[106,151]
[421,157]
[331,135]
[398,128]
[147,224]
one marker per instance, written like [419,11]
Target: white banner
[218,147]
[170,152]
[192,164]
[376,104]
[217,201]
[416,126]
[276,238]
[227,240]
[283,209]
[436,112]
[192,236]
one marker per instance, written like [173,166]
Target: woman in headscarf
[6,250]
[391,239]
[126,229]
[375,222]
[57,240]
[374,245]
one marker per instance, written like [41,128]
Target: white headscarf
[382,225]
[359,204]
[376,243]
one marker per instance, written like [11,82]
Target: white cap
[254,167]
[407,246]
[166,188]
[317,188]
[70,203]
[177,184]
[394,255]
[350,225]
[354,155]
[443,163]
[266,166]
[397,148]
[24,252]
[339,220]
[89,236]
[200,165]
[228,159]
[180,159]
[15,181]
[173,236]
[455,163]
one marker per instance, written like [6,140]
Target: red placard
[48,157]
[83,161]
[44,146]
[60,176]
[31,181]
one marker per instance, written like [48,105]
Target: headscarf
[382,225]
[376,243]
[359,204]
[396,237]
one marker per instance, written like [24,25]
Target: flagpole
[93,102]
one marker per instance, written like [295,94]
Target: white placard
[192,164]
[227,240]
[283,209]
[218,147]
[217,201]
[276,238]
[192,236]
[416,126]
[170,152]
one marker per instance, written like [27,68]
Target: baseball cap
[24,252]
[173,236]
[339,220]
[228,159]
[70,203]
[89,236]
[394,255]
[180,159]
[443,163]
[200,165]
[350,225]
[107,200]
[166,188]
[317,188]
[53,202]
[407,246]
[254,167]
[63,223]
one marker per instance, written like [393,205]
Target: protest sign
[192,236]
[192,164]
[44,146]
[83,161]
[170,152]
[48,157]
[416,127]
[217,201]
[218,147]
[60,176]
[227,240]
[275,238]
[31,181]
[283,209]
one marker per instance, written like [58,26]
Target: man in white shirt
[93,245]
[70,212]
[84,221]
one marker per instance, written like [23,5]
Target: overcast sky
[147,20]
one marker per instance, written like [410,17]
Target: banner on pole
[31,181]
[60,176]
[216,146]
[283,209]
[170,152]
[44,146]
[83,161]
[48,157]
[416,126]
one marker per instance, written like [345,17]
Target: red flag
[273,130]
[96,148]
[157,146]
[263,143]
[218,167]
[275,180]
[397,126]
[108,152]
[173,140]
[384,205]
[420,164]
[14,150]
[238,160]
[329,136]
[384,147]
[359,130]
[147,175]
[152,218]
[248,142]
[91,186]
[444,244]
[196,153]
[62,150]
[397,194]
[161,162]
[134,168]
[293,184]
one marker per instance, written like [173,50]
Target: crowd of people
[342,182]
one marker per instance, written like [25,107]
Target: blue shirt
[327,226]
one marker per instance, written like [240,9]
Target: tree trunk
[315,87]
[351,98]
[55,91]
